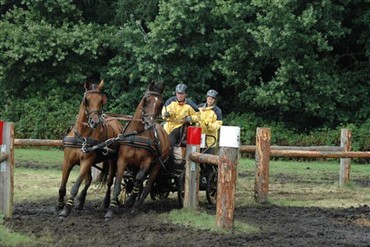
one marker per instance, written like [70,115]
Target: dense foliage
[299,65]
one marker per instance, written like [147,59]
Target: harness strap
[77,141]
[140,142]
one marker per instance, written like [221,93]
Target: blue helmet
[212,93]
[181,88]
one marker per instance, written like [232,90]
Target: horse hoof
[66,211]
[108,215]
[59,206]
[134,212]
[61,217]
[63,214]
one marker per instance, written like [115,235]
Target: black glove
[188,119]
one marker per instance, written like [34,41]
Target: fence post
[345,163]
[227,176]
[191,195]
[6,168]
[261,186]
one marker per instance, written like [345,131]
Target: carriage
[171,179]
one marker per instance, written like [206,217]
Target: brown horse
[144,148]
[91,128]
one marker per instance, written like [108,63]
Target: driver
[176,111]
[211,121]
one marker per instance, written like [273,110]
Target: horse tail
[104,172]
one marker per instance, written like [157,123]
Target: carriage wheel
[211,189]
[123,195]
[181,188]
[160,196]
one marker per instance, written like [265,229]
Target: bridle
[91,121]
[148,119]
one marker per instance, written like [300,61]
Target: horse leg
[66,170]
[153,175]
[138,183]
[121,167]
[112,172]
[70,203]
[85,168]
[83,193]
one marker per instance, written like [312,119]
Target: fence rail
[252,148]
[37,142]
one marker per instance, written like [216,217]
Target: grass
[40,171]
[13,239]
[307,184]
[46,158]
[202,220]
[303,184]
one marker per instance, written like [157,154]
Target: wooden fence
[227,161]
[6,168]
[263,151]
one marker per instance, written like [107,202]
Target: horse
[144,148]
[90,128]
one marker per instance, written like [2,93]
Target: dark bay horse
[144,149]
[91,128]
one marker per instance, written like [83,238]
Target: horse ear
[101,85]
[87,86]
[104,99]
[151,85]
[161,86]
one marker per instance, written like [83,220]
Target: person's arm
[166,110]
[193,111]
[215,125]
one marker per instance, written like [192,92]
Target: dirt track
[280,226]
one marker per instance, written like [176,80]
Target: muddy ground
[279,226]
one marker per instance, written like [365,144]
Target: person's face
[180,96]
[211,101]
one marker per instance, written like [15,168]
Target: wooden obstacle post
[261,186]
[6,168]
[345,163]
[227,176]
[191,195]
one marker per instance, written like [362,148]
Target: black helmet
[212,93]
[181,88]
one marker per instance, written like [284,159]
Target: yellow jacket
[178,111]
[211,122]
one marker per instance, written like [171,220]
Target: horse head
[93,102]
[152,104]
